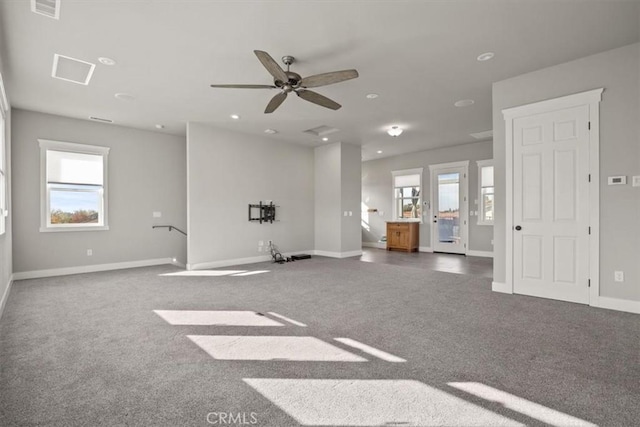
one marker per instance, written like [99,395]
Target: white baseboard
[241,261]
[379,245]
[5,296]
[501,287]
[486,254]
[22,275]
[425,249]
[629,306]
[337,254]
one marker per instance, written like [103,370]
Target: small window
[407,197]
[485,192]
[74,186]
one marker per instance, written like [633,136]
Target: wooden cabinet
[403,236]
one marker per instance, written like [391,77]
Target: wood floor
[448,263]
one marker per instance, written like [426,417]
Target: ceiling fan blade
[244,86]
[316,98]
[275,102]
[328,78]
[271,65]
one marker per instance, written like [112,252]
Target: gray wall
[377,189]
[338,190]
[226,172]
[146,174]
[618,71]
[6,250]
[328,199]
[351,196]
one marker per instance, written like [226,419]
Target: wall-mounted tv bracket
[265,213]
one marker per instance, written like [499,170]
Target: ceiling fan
[288,81]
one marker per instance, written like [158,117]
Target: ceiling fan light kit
[288,81]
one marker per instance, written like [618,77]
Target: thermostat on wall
[617,180]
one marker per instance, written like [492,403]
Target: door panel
[449,210]
[550,205]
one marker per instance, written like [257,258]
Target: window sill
[69,229]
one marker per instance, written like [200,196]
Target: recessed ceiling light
[486,56]
[106,61]
[325,139]
[372,95]
[235,116]
[159,126]
[125,96]
[270,131]
[464,103]
[395,131]
[379,151]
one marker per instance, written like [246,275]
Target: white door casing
[552,194]
[459,243]
[550,205]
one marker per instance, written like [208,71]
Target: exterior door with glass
[449,207]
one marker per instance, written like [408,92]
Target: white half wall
[226,172]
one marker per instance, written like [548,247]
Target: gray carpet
[89,350]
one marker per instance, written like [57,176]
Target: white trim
[485,254]
[5,296]
[591,98]
[72,147]
[617,304]
[35,274]
[503,288]
[4,102]
[379,245]
[425,249]
[464,204]
[401,172]
[338,254]
[483,164]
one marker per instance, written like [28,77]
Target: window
[407,198]
[4,108]
[485,192]
[74,186]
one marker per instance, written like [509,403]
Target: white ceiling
[419,56]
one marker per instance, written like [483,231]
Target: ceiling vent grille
[72,70]
[483,135]
[48,8]
[321,130]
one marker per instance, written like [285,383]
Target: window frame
[71,147]
[394,199]
[483,164]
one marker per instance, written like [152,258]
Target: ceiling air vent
[483,135]
[48,8]
[321,131]
[72,70]
[100,119]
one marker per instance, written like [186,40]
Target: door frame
[592,99]
[464,203]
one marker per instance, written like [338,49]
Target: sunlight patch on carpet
[215,317]
[240,347]
[324,402]
[523,406]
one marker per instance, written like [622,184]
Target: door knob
[518,228]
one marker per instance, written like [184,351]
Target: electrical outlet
[618,276]
[259,248]
[89,252]
[260,242]
[157,214]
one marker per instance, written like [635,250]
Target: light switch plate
[636,181]
[617,180]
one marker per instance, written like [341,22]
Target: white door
[449,206]
[550,205]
